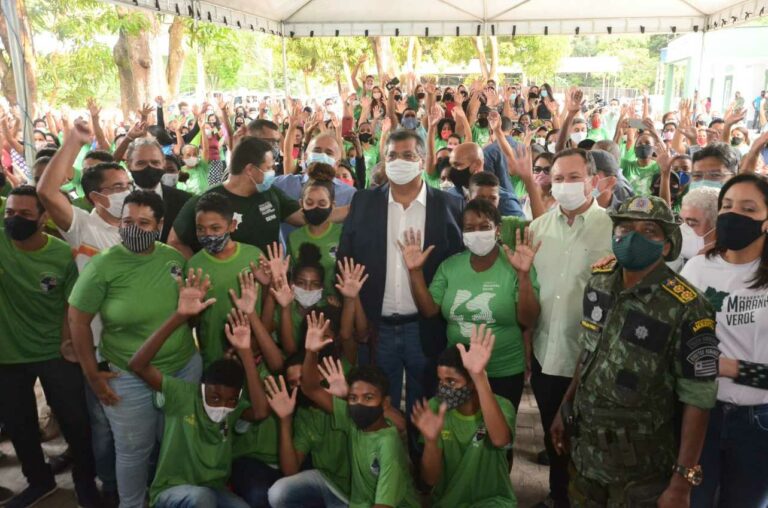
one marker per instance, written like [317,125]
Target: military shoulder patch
[605,268]
[680,290]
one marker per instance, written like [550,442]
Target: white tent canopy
[329,18]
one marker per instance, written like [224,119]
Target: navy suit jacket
[364,238]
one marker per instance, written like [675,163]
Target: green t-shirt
[327,242]
[34,287]
[194,450]
[519,186]
[258,216]
[371,156]
[599,134]
[135,294]
[475,473]
[258,440]
[379,464]
[198,178]
[480,136]
[467,298]
[509,227]
[224,276]
[639,178]
[313,433]
[432,181]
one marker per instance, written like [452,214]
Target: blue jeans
[102,441]
[137,426]
[192,496]
[734,458]
[303,490]
[398,348]
[251,480]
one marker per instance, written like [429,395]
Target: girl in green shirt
[466,431]
[482,285]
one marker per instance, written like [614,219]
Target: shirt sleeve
[696,364]
[73,234]
[287,205]
[177,395]
[439,285]
[392,485]
[302,441]
[90,290]
[340,418]
[184,225]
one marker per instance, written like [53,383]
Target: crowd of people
[340,304]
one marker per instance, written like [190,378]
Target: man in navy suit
[378,218]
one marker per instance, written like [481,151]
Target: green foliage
[71,77]
[538,56]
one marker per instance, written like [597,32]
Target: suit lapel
[434,219]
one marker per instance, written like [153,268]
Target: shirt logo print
[48,283]
[641,332]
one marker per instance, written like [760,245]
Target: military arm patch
[595,306]
[699,354]
[608,267]
[680,290]
[644,331]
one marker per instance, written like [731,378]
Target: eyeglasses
[542,169]
[713,175]
[118,187]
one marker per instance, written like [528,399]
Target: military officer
[649,343]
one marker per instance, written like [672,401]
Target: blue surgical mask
[320,157]
[410,122]
[269,178]
[705,183]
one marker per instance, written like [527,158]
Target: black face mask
[736,231]
[448,97]
[398,97]
[438,98]
[148,178]
[482,123]
[460,177]
[365,416]
[316,216]
[365,137]
[19,228]
[442,163]
[643,151]
[420,95]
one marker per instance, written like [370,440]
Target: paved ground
[529,479]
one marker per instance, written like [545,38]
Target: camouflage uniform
[644,348]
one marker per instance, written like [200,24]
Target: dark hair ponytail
[309,258]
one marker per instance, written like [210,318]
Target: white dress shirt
[397,289]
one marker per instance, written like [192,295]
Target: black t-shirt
[258,217]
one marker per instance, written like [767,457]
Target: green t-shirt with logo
[314,434]
[135,294]
[480,135]
[327,242]
[468,298]
[639,178]
[194,450]
[379,464]
[258,216]
[475,472]
[223,274]
[34,286]
[198,178]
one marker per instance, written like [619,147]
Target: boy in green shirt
[196,451]
[379,463]
[640,171]
[467,431]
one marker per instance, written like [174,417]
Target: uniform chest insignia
[679,289]
[641,332]
[592,296]
[597,313]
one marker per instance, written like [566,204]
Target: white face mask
[692,243]
[446,185]
[307,298]
[569,195]
[401,172]
[480,243]
[578,137]
[552,147]
[216,414]
[170,179]
[115,208]
[541,141]
[191,162]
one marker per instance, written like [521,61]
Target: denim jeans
[102,441]
[137,426]
[192,496]
[735,458]
[251,480]
[304,490]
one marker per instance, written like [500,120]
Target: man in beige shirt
[574,235]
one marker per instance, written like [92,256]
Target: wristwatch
[692,475]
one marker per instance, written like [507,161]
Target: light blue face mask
[320,157]
[269,178]
[410,123]
[705,183]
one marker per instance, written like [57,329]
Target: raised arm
[462,124]
[435,115]
[283,404]
[572,106]
[414,258]
[732,117]
[749,161]
[317,328]
[356,71]
[430,425]
[95,111]
[521,259]
[139,130]
[351,278]
[238,334]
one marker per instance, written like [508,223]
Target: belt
[399,319]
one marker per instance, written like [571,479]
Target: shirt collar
[421,198]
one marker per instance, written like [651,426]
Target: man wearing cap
[649,343]
[613,188]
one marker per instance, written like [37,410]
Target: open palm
[522,257]
[429,424]
[238,330]
[333,372]
[476,358]
[246,302]
[281,402]
[192,293]
[282,292]
[413,255]
[317,328]
[351,278]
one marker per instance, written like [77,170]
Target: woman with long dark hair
[733,275]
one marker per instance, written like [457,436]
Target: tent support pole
[19,76]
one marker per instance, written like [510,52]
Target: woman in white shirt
[734,278]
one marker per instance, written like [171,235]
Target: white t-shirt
[88,235]
[742,318]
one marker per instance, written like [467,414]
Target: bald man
[466,160]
